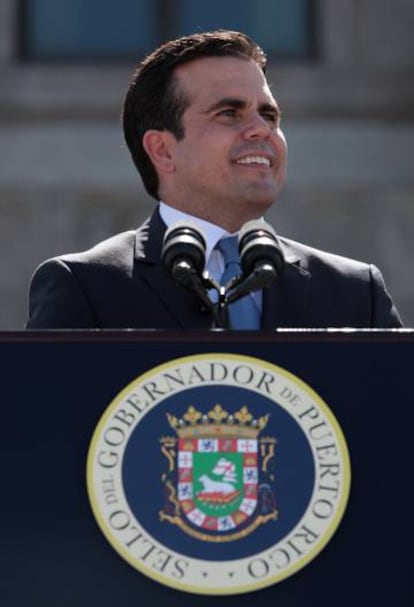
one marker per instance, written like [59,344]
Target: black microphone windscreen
[258,243]
[183,240]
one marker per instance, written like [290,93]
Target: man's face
[231,163]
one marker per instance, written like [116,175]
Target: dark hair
[153,99]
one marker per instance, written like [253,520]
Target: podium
[55,387]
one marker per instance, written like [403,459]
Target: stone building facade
[66,179]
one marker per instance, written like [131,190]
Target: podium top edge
[214,335]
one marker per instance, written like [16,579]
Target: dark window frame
[167,29]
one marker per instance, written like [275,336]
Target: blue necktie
[243,313]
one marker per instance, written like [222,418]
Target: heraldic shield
[220,474]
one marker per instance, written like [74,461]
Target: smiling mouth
[255,161]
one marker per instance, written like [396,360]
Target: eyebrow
[237,104]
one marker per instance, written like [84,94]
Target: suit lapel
[180,305]
[287,302]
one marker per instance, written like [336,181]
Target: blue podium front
[184,469]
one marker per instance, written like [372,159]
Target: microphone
[258,245]
[183,257]
[261,258]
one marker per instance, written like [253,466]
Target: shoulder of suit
[116,253]
[311,258]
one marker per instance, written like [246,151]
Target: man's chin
[261,198]
[266,190]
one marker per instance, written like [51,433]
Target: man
[204,131]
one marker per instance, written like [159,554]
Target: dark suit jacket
[120,284]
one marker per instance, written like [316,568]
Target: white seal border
[218,358]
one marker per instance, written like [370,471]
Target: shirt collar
[212,232]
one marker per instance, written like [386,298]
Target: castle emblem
[220,474]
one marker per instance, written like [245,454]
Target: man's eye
[228,113]
[270,117]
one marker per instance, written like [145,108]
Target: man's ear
[159,146]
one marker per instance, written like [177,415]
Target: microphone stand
[262,276]
[186,275]
[221,312]
[219,309]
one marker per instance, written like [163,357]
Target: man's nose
[257,127]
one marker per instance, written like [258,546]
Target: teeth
[254,160]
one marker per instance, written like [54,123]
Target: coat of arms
[220,474]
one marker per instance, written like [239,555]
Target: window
[281,27]
[90,30]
